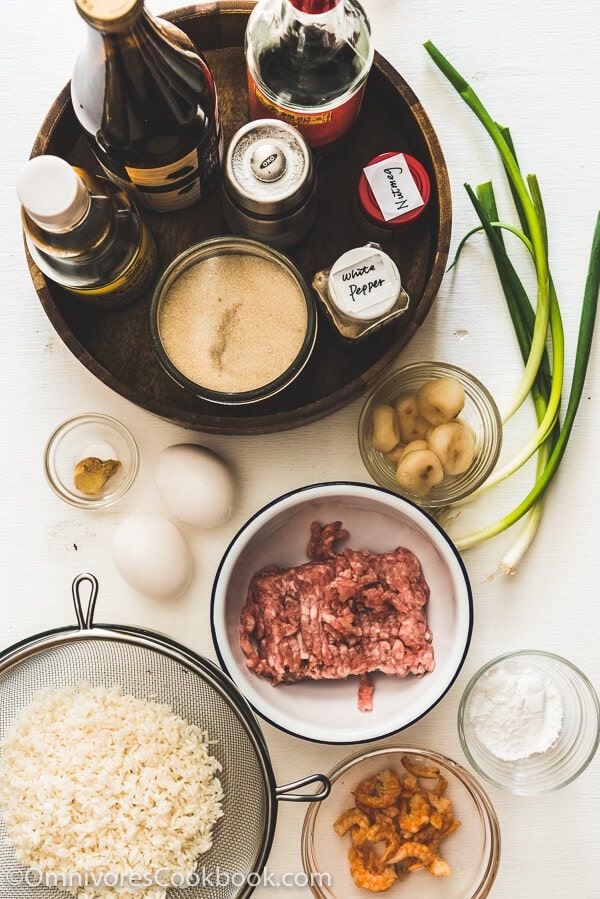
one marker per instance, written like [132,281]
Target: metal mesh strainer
[152,667]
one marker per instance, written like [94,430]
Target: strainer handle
[85,619]
[284,793]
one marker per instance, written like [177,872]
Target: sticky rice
[99,787]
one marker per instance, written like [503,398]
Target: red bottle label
[319,128]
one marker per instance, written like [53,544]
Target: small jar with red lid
[393,192]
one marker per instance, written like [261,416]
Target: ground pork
[339,614]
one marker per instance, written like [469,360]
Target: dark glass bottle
[307,63]
[146,97]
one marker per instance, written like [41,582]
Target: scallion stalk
[534,328]
[584,346]
[517,300]
[536,232]
[523,317]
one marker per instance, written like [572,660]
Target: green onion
[523,316]
[531,218]
[518,304]
[584,346]
[534,328]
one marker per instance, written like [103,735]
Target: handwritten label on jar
[393,186]
[364,284]
[361,291]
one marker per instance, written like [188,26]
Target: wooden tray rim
[287,419]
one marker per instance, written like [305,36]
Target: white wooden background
[536,66]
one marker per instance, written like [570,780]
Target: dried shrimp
[367,874]
[396,826]
[378,792]
[355,821]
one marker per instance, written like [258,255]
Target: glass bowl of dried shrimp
[402,820]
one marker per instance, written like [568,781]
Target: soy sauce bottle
[147,99]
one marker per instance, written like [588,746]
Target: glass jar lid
[364,283]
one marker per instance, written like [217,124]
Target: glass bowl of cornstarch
[529,722]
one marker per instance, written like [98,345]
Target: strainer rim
[37,644]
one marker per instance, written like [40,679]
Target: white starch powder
[515,713]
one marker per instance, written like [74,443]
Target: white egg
[195,484]
[152,555]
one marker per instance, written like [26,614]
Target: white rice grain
[98,784]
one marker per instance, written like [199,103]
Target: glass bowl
[480,413]
[472,850]
[556,727]
[233,321]
[90,435]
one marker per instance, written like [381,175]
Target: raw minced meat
[339,614]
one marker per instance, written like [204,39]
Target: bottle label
[179,184]
[318,127]
[363,283]
[131,282]
[393,186]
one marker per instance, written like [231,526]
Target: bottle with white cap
[85,233]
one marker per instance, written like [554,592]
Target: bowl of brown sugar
[232,320]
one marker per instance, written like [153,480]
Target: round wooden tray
[116,346]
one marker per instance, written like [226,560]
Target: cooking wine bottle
[146,97]
[307,63]
[84,232]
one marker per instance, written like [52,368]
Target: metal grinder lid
[268,168]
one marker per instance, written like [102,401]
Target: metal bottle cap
[109,15]
[268,168]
